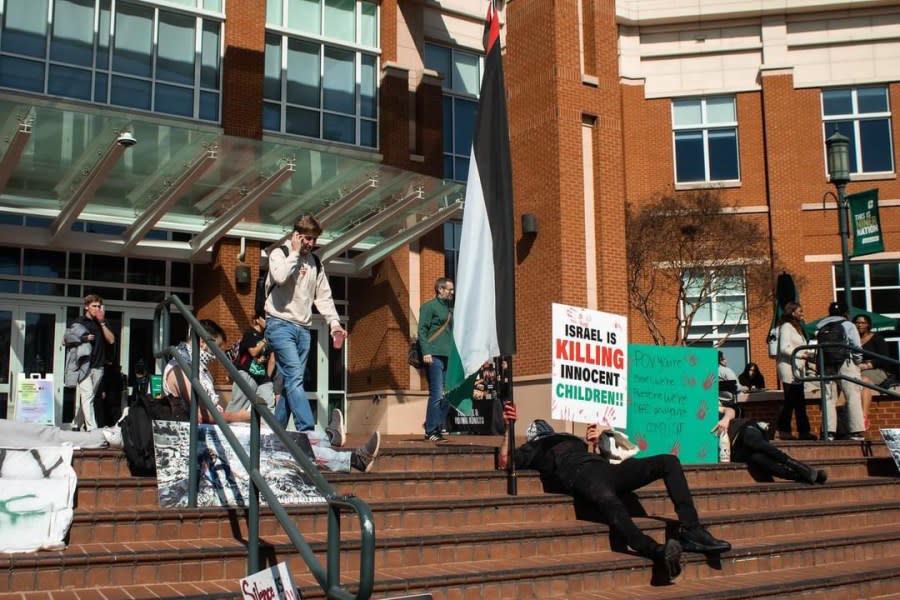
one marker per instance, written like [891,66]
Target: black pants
[601,484]
[754,448]
[794,402]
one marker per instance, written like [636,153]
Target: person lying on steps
[565,463]
[750,445]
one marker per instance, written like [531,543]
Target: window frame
[361,53]
[704,127]
[715,335]
[456,94]
[855,117]
[100,76]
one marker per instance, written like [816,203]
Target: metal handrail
[328,579]
[823,378]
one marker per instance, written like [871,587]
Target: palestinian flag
[485,310]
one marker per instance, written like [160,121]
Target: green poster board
[673,401]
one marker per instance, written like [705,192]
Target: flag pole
[505,373]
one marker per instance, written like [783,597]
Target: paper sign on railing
[274,583]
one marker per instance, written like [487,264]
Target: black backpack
[262,294]
[137,427]
[833,342]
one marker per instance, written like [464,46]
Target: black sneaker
[667,560]
[698,539]
[363,458]
[434,437]
[336,432]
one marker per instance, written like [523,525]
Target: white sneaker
[336,432]
[113,436]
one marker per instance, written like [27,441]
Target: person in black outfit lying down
[566,464]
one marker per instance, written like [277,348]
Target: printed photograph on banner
[223,480]
[892,441]
[589,366]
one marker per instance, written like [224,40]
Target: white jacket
[788,339]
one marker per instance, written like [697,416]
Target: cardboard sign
[34,399]
[673,401]
[274,583]
[589,366]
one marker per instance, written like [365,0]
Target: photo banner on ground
[223,480]
[590,366]
[673,401]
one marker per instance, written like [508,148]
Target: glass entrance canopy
[145,174]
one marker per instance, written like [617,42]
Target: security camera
[126,139]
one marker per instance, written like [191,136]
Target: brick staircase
[446,526]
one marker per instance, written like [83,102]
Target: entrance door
[326,373]
[31,342]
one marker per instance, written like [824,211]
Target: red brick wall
[243,69]
[547,102]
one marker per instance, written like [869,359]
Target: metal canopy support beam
[235,181]
[86,188]
[324,186]
[186,155]
[218,228]
[377,253]
[348,239]
[327,216]
[177,188]
[23,124]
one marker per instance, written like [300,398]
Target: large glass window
[874,287]
[721,319]
[864,116]
[83,49]
[322,89]
[461,71]
[706,140]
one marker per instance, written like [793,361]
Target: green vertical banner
[673,401]
[865,222]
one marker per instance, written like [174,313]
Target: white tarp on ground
[37,492]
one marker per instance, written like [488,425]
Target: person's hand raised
[509,412]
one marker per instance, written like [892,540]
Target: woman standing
[791,335]
[873,370]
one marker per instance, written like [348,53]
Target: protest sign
[274,583]
[589,366]
[673,401]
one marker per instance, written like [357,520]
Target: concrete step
[124,524]
[110,565]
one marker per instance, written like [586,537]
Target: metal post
[512,478]
[844,227]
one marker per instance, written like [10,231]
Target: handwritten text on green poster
[673,401]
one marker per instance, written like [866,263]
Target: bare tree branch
[685,250]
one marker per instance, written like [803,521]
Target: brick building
[250,113]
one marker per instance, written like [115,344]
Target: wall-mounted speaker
[529,224]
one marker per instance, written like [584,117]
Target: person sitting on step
[566,464]
[750,445]
[321,443]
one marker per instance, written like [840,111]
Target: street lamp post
[838,147]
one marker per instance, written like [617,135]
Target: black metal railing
[824,378]
[328,578]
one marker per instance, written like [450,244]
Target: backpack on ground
[263,288]
[137,426]
[833,345]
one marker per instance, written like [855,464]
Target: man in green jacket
[436,340]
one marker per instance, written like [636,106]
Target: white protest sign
[274,583]
[590,366]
